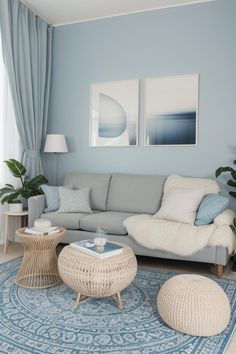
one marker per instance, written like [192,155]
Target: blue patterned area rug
[44,321]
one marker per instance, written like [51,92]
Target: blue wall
[182,40]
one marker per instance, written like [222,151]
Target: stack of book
[109,250]
[35,232]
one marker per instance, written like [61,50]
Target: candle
[100,241]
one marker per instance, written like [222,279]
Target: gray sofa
[114,197]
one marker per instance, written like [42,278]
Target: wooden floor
[16,250]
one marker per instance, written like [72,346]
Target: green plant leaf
[223,169]
[10,197]
[16,168]
[5,190]
[233,194]
[10,186]
[233,174]
[36,181]
[28,187]
[235,162]
[231,183]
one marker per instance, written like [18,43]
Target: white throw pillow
[74,201]
[180,204]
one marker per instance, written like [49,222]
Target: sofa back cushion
[135,193]
[174,181]
[97,182]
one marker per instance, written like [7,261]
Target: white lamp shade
[55,143]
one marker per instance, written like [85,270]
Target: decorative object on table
[42,225]
[56,144]
[114,113]
[46,319]
[93,277]
[28,187]
[100,239]
[109,249]
[194,305]
[16,206]
[171,110]
[13,221]
[39,266]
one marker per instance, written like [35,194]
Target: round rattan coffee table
[39,266]
[90,276]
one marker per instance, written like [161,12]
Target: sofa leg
[219,270]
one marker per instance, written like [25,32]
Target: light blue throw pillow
[210,206]
[52,197]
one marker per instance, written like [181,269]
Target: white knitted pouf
[194,305]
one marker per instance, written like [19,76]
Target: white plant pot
[15,207]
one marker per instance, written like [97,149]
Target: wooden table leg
[118,300]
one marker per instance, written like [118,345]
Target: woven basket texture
[91,276]
[194,305]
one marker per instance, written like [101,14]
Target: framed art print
[114,113]
[171,110]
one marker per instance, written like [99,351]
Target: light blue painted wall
[182,40]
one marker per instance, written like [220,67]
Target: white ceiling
[60,12]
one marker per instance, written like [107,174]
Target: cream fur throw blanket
[179,238]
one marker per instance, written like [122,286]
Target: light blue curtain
[27,47]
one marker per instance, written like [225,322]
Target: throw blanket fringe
[179,238]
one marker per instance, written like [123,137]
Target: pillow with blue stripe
[211,206]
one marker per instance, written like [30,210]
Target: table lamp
[56,144]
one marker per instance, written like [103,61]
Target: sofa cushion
[109,221]
[135,193]
[67,220]
[98,184]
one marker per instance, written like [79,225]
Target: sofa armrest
[36,207]
[225,218]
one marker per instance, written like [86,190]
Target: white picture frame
[171,110]
[114,114]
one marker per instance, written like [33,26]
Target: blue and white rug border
[14,263]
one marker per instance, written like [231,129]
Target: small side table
[39,266]
[13,221]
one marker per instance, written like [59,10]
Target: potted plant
[27,187]
[232,181]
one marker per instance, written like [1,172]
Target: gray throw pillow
[74,201]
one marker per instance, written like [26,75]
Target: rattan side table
[90,276]
[39,266]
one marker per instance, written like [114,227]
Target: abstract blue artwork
[171,110]
[114,113]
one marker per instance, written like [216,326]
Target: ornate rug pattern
[44,321]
